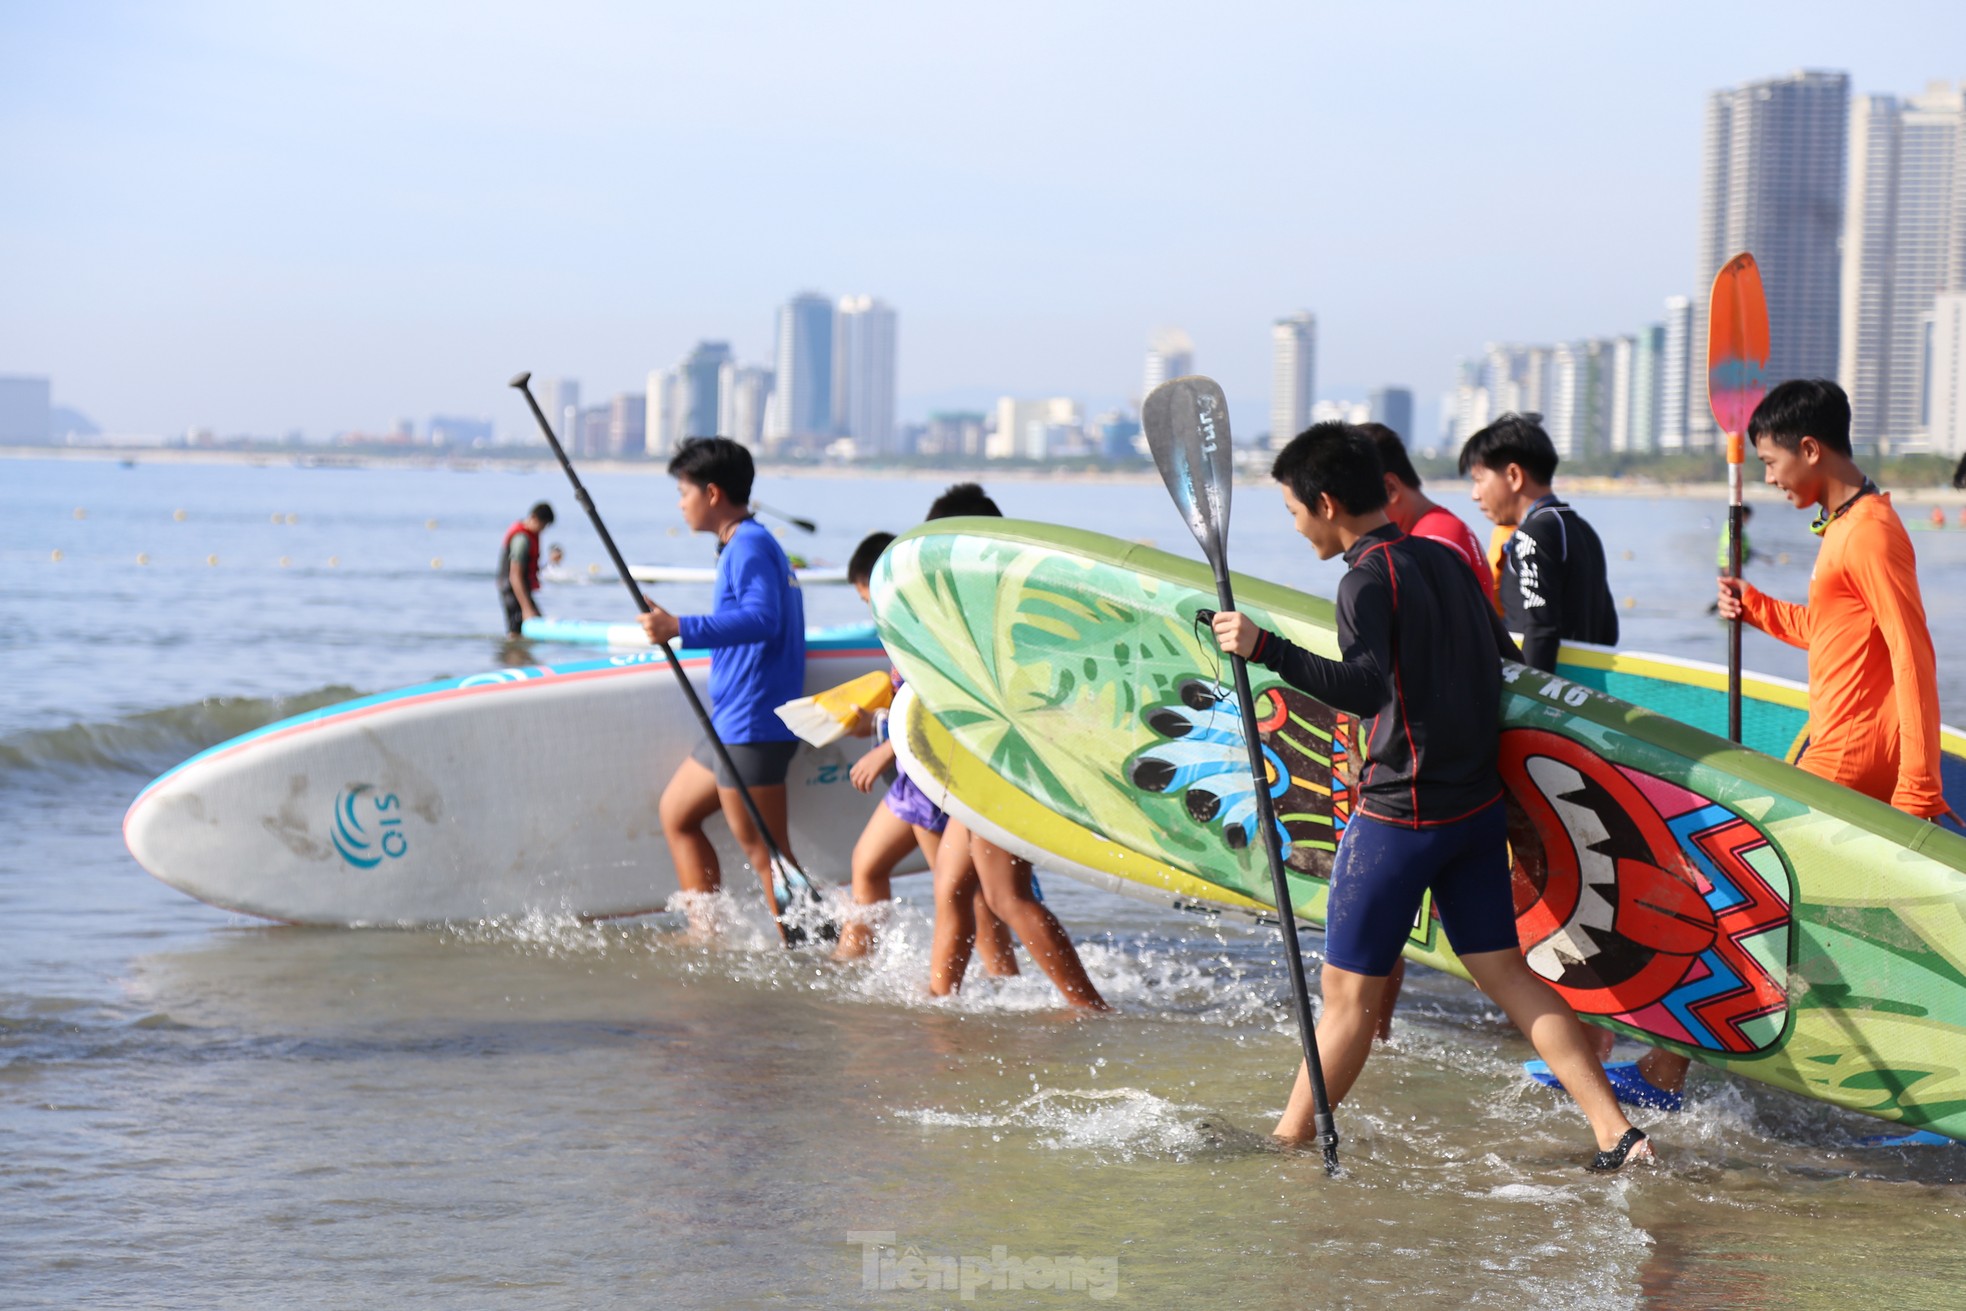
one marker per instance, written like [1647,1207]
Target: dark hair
[1959,475]
[860,569]
[1392,453]
[1336,459]
[715,462]
[1512,439]
[542,512]
[1803,407]
[964,499]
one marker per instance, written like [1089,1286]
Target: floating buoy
[55,555]
[143,557]
[293,519]
[1628,554]
[178,515]
[431,524]
[593,569]
[279,518]
[80,513]
[1783,558]
[1630,601]
[284,562]
[211,559]
[436,562]
[334,561]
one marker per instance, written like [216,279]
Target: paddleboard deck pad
[501,794]
[1673,886]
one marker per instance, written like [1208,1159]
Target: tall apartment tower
[702,372]
[1169,355]
[742,393]
[864,374]
[1293,375]
[803,403]
[1904,242]
[1773,184]
[1392,406]
[1946,377]
[1674,361]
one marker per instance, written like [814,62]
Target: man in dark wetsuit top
[1421,668]
[1552,584]
[518,568]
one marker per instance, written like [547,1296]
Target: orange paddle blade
[1737,344]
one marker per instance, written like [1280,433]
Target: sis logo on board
[368,827]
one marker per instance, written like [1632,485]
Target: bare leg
[771,804]
[955,911]
[1558,1036]
[1664,1070]
[994,944]
[1388,1002]
[1007,886]
[690,799]
[1344,1041]
[1602,1041]
[883,844]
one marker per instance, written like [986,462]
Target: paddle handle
[1736,525]
[642,606]
[1266,822]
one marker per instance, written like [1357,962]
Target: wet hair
[1512,439]
[1392,453]
[1334,459]
[860,569]
[715,462]
[542,512]
[1803,407]
[964,499]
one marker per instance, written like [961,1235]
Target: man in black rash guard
[1421,665]
[1552,584]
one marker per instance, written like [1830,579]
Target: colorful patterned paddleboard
[1675,887]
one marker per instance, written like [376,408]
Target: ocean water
[201,1110]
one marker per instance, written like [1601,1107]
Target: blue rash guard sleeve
[755,614]
[755,636]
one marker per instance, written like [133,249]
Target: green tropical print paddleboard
[1673,886]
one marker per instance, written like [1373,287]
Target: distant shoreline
[1586,485]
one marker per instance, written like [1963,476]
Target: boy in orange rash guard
[1873,676]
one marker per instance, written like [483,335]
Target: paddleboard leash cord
[790,883]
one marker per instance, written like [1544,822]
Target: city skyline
[348,251]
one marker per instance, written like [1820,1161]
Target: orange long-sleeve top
[1873,675]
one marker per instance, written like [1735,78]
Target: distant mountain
[64,423]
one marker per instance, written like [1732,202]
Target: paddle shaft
[642,607]
[1736,525]
[1266,821]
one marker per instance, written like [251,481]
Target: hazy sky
[260,216]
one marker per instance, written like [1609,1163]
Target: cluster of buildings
[1856,215]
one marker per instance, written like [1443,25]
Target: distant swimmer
[967,861]
[905,820]
[518,568]
[1423,667]
[555,557]
[1723,560]
[1552,583]
[756,636]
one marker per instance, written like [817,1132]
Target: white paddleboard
[499,794]
[808,576]
[616,636]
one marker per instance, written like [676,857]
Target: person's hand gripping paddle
[1737,379]
[797,902]
[1187,423]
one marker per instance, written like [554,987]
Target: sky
[325,216]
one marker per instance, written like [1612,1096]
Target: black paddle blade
[1187,423]
[521,381]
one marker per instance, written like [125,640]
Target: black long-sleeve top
[1553,584]
[1421,664]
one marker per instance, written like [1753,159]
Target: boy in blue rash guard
[756,637]
[1422,668]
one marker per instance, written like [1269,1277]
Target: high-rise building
[628,425]
[1118,434]
[955,433]
[1564,420]
[1169,355]
[802,409]
[864,380]
[1030,429]
[1673,365]
[1945,379]
[559,400]
[24,410]
[591,433]
[1773,184]
[664,412]
[1904,242]
[1293,375]
[702,370]
[1647,388]
[743,394]
[1624,362]
[1392,406]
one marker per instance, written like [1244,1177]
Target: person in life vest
[518,568]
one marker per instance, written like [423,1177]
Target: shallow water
[198,1110]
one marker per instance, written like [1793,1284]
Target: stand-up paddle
[1187,423]
[790,886]
[803,525]
[1737,379]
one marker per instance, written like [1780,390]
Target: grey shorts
[759,764]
